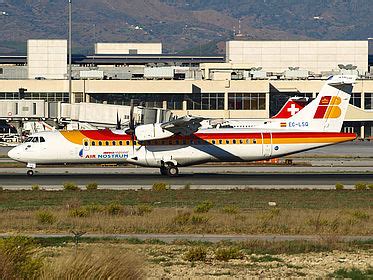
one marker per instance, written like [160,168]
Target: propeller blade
[118,126]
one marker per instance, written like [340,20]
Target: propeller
[118,125]
[131,125]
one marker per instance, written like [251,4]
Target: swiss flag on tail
[291,107]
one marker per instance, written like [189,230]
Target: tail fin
[291,107]
[327,112]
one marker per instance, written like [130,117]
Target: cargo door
[267,144]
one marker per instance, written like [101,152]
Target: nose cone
[14,154]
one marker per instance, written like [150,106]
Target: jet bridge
[80,115]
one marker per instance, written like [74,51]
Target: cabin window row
[172,142]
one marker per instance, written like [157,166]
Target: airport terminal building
[253,79]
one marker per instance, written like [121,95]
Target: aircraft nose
[13,153]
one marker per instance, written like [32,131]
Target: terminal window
[174,101]
[205,101]
[368,101]
[356,99]
[246,101]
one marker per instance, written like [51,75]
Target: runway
[197,177]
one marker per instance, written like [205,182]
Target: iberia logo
[329,108]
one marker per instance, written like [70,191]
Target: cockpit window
[42,140]
[29,139]
[35,139]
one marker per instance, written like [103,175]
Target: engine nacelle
[151,132]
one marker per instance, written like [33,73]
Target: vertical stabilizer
[327,112]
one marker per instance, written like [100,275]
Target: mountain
[182,25]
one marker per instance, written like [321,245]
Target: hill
[181,24]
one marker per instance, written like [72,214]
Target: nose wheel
[32,166]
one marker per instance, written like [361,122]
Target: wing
[186,125]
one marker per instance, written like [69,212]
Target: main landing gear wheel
[172,171]
[30,173]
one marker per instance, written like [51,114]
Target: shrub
[360,186]
[360,215]
[204,207]
[196,254]
[143,209]
[91,186]
[187,187]
[370,186]
[45,217]
[226,254]
[197,220]
[17,260]
[339,186]
[35,187]
[79,212]
[158,187]
[1,189]
[114,209]
[266,258]
[95,208]
[352,273]
[95,264]
[182,218]
[231,209]
[70,187]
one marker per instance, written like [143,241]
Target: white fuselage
[228,145]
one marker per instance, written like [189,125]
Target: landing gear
[32,166]
[170,170]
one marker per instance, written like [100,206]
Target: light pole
[70,47]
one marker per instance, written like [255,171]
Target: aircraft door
[267,144]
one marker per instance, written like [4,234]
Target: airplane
[181,142]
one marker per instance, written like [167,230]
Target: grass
[107,258]
[247,199]
[172,211]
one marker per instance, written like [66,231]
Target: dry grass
[95,263]
[166,220]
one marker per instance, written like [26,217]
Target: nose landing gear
[32,166]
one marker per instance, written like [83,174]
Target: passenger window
[254,141]
[226,141]
[213,142]
[191,142]
[114,143]
[93,143]
[99,143]
[127,143]
[220,141]
[247,141]
[234,141]
[177,142]
[184,142]
[86,143]
[120,143]
[107,143]
[241,141]
[42,140]
[134,143]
